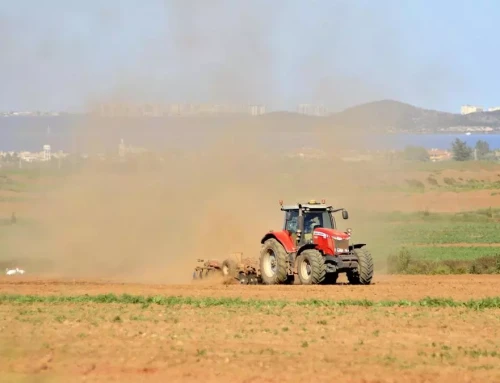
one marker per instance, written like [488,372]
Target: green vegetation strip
[484,303]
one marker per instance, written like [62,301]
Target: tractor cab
[302,219]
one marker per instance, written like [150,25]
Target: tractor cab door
[292,224]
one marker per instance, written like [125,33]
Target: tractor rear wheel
[311,267]
[365,268]
[273,263]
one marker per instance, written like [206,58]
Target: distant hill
[390,115]
[378,116]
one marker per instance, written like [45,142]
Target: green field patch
[439,166]
[448,232]
[481,215]
[463,252]
[484,303]
[457,261]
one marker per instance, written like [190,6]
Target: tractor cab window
[313,219]
[291,222]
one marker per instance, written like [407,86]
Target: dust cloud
[150,224]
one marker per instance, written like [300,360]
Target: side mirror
[345,214]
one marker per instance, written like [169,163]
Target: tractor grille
[342,246]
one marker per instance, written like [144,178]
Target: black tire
[331,278]
[311,267]
[229,268]
[365,268]
[273,263]
[243,279]
[252,279]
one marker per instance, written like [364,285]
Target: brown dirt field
[116,342]
[459,287]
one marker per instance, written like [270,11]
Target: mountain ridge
[381,116]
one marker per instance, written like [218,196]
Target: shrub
[431,180]
[449,181]
[415,184]
[405,263]
[399,263]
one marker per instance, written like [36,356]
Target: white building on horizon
[47,155]
[467,109]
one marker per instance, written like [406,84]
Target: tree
[416,153]
[482,149]
[461,152]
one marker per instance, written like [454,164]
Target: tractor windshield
[320,218]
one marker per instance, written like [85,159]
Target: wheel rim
[305,269]
[269,264]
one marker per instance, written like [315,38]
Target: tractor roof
[312,205]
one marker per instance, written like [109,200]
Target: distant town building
[312,110]
[467,109]
[176,109]
[124,150]
[121,148]
[494,109]
[257,110]
[46,153]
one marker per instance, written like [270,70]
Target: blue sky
[65,55]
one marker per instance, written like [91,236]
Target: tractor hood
[332,233]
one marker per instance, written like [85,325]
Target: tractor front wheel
[311,267]
[364,274]
[273,263]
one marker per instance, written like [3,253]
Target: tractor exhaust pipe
[300,224]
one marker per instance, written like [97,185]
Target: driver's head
[313,220]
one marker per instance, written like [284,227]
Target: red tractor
[311,246]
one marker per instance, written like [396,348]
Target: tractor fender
[356,246]
[307,246]
[282,237]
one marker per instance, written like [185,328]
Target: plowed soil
[458,287]
[92,342]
